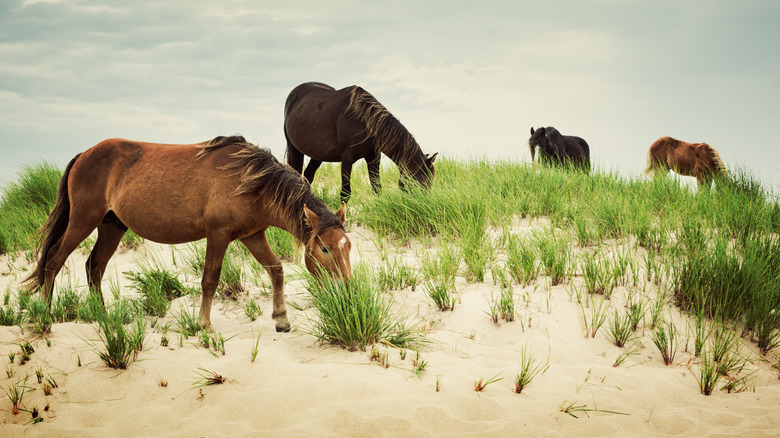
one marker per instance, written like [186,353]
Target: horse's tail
[649,160]
[721,167]
[51,232]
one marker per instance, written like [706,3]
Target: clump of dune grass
[620,328]
[120,344]
[439,270]
[521,259]
[409,214]
[480,384]
[65,305]
[665,340]
[188,323]
[252,310]
[282,243]
[708,376]
[530,367]
[555,255]
[130,241]
[157,286]
[394,274]
[355,314]
[503,306]
[230,284]
[15,394]
[205,377]
[255,344]
[628,351]
[91,308]
[475,245]
[594,318]
[571,408]
[39,316]
[598,276]
[213,339]
[25,205]
[739,284]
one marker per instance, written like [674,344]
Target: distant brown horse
[699,160]
[224,189]
[344,126]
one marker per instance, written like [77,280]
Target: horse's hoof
[285,328]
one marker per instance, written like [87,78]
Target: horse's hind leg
[261,250]
[77,231]
[109,236]
[294,157]
[311,169]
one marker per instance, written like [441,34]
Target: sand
[300,387]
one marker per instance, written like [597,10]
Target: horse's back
[303,90]
[149,185]
[578,150]
[315,122]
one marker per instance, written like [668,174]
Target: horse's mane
[286,190]
[392,138]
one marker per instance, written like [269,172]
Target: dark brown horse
[699,160]
[559,150]
[223,190]
[344,126]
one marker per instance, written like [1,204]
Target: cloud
[466,78]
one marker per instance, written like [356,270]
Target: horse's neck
[406,156]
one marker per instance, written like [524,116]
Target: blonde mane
[289,191]
[392,138]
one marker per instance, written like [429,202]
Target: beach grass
[714,253]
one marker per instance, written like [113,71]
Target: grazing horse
[559,149]
[344,126]
[699,160]
[224,189]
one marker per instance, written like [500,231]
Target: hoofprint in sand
[297,386]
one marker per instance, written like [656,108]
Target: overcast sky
[468,79]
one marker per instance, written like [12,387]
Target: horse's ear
[311,217]
[431,159]
[532,130]
[342,213]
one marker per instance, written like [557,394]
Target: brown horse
[344,126]
[224,189]
[699,160]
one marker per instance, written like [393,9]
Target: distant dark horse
[559,149]
[344,126]
[699,160]
[224,190]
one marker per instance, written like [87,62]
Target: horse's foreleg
[311,169]
[261,250]
[109,236]
[216,246]
[346,172]
[372,162]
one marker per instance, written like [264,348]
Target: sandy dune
[298,387]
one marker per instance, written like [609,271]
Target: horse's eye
[325,249]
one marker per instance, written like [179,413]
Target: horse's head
[540,138]
[327,252]
[422,174]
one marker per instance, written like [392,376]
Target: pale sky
[467,78]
